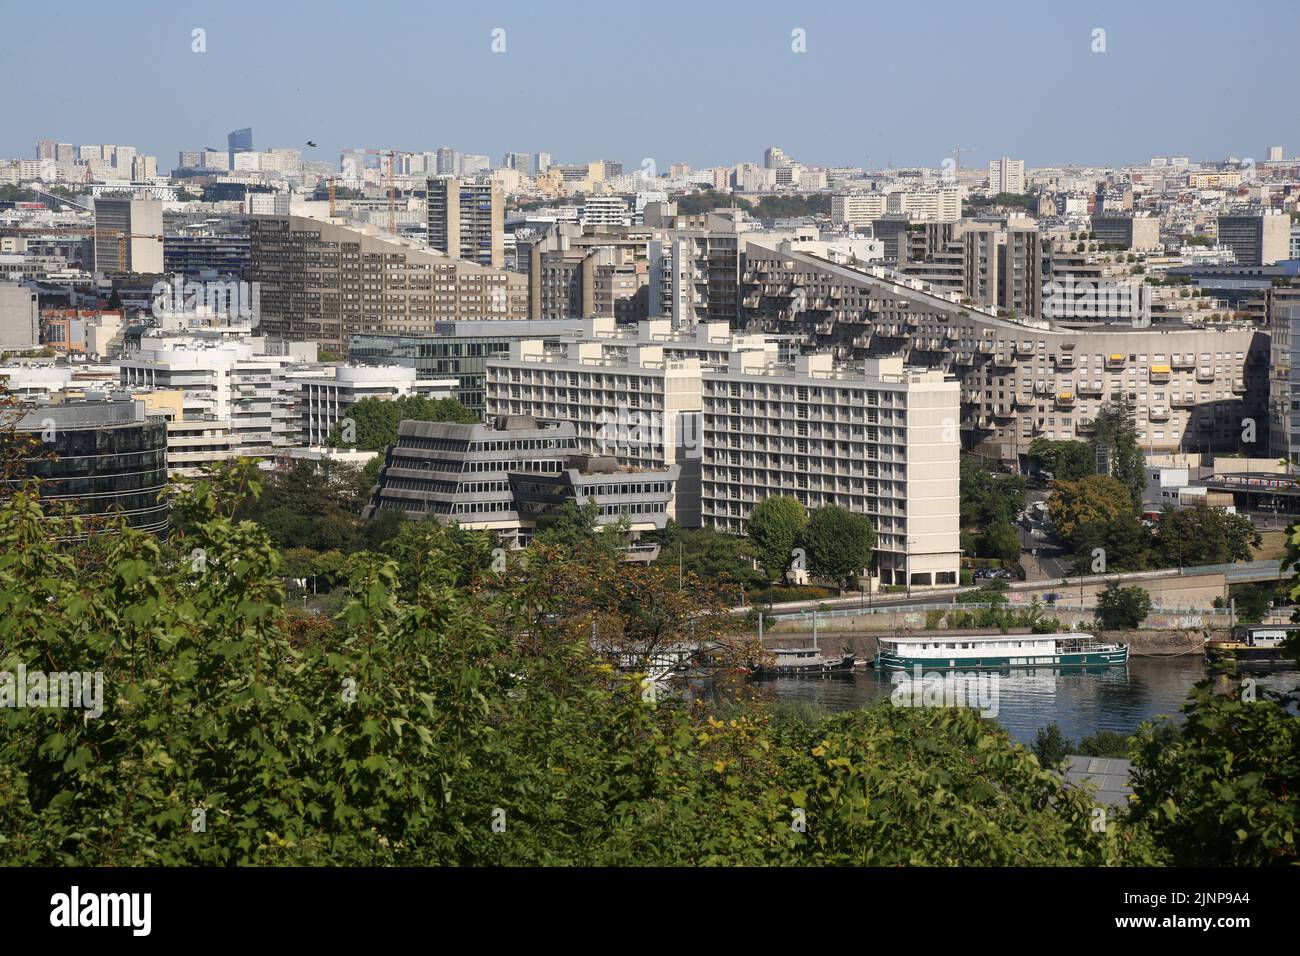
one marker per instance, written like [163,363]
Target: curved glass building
[108,458]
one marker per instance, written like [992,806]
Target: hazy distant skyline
[701,83]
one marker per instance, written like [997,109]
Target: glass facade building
[105,458]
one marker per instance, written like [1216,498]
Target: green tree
[1000,541]
[375,420]
[1220,788]
[987,497]
[706,553]
[839,544]
[1115,438]
[1096,499]
[575,527]
[775,526]
[1122,608]
[1051,746]
[1066,460]
[1185,537]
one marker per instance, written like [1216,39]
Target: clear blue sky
[708,82]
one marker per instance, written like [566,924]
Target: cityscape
[812,496]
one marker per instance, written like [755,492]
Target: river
[1115,698]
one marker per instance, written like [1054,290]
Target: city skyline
[1134,98]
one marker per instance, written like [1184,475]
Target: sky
[709,82]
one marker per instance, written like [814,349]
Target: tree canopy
[839,543]
[775,526]
[375,420]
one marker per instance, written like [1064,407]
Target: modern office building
[1257,238]
[466,220]
[128,233]
[240,141]
[324,282]
[104,458]
[505,476]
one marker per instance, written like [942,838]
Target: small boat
[1252,647]
[804,660]
[996,651]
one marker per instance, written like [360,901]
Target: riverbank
[1161,643]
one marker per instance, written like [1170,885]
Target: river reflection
[1079,702]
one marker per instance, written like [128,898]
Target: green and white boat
[996,651]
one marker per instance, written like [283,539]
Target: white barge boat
[996,651]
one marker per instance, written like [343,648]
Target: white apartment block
[858,209]
[326,395]
[1007,176]
[222,381]
[880,440]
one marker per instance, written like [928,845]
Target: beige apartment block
[321,282]
[880,440]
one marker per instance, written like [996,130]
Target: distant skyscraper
[45,149]
[446,161]
[65,152]
[773,157]
[128,235]
[240,141]
[523,162]
[543,162]
[1275,154]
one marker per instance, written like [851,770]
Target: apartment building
[1282,306]
[1136,232]
[1006,176]
[324,282]
[995,264]
[1258,238]
[506,476]
[741,425]
[581,272]
[128,233]
[466,220]
[221,380]
[1021,378]
[877,439]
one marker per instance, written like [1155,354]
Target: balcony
[1205,374]
[1183,361]
[1091,388]
[1064,360]
[1187,400]
[1158,413]
[1159,374]
[1239,386]
[1065,399]
[1114,361]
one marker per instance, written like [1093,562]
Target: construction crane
[958,150]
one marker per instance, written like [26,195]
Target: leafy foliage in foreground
[446,698]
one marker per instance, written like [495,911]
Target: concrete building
[879,440]
[1283,315]
[1138,233]
[1006,176]
[324,282]
[466,220]
[20,318]
[128,233]
[1256,238]
[504,477]
[1021,379]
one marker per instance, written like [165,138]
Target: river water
[1080,703]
